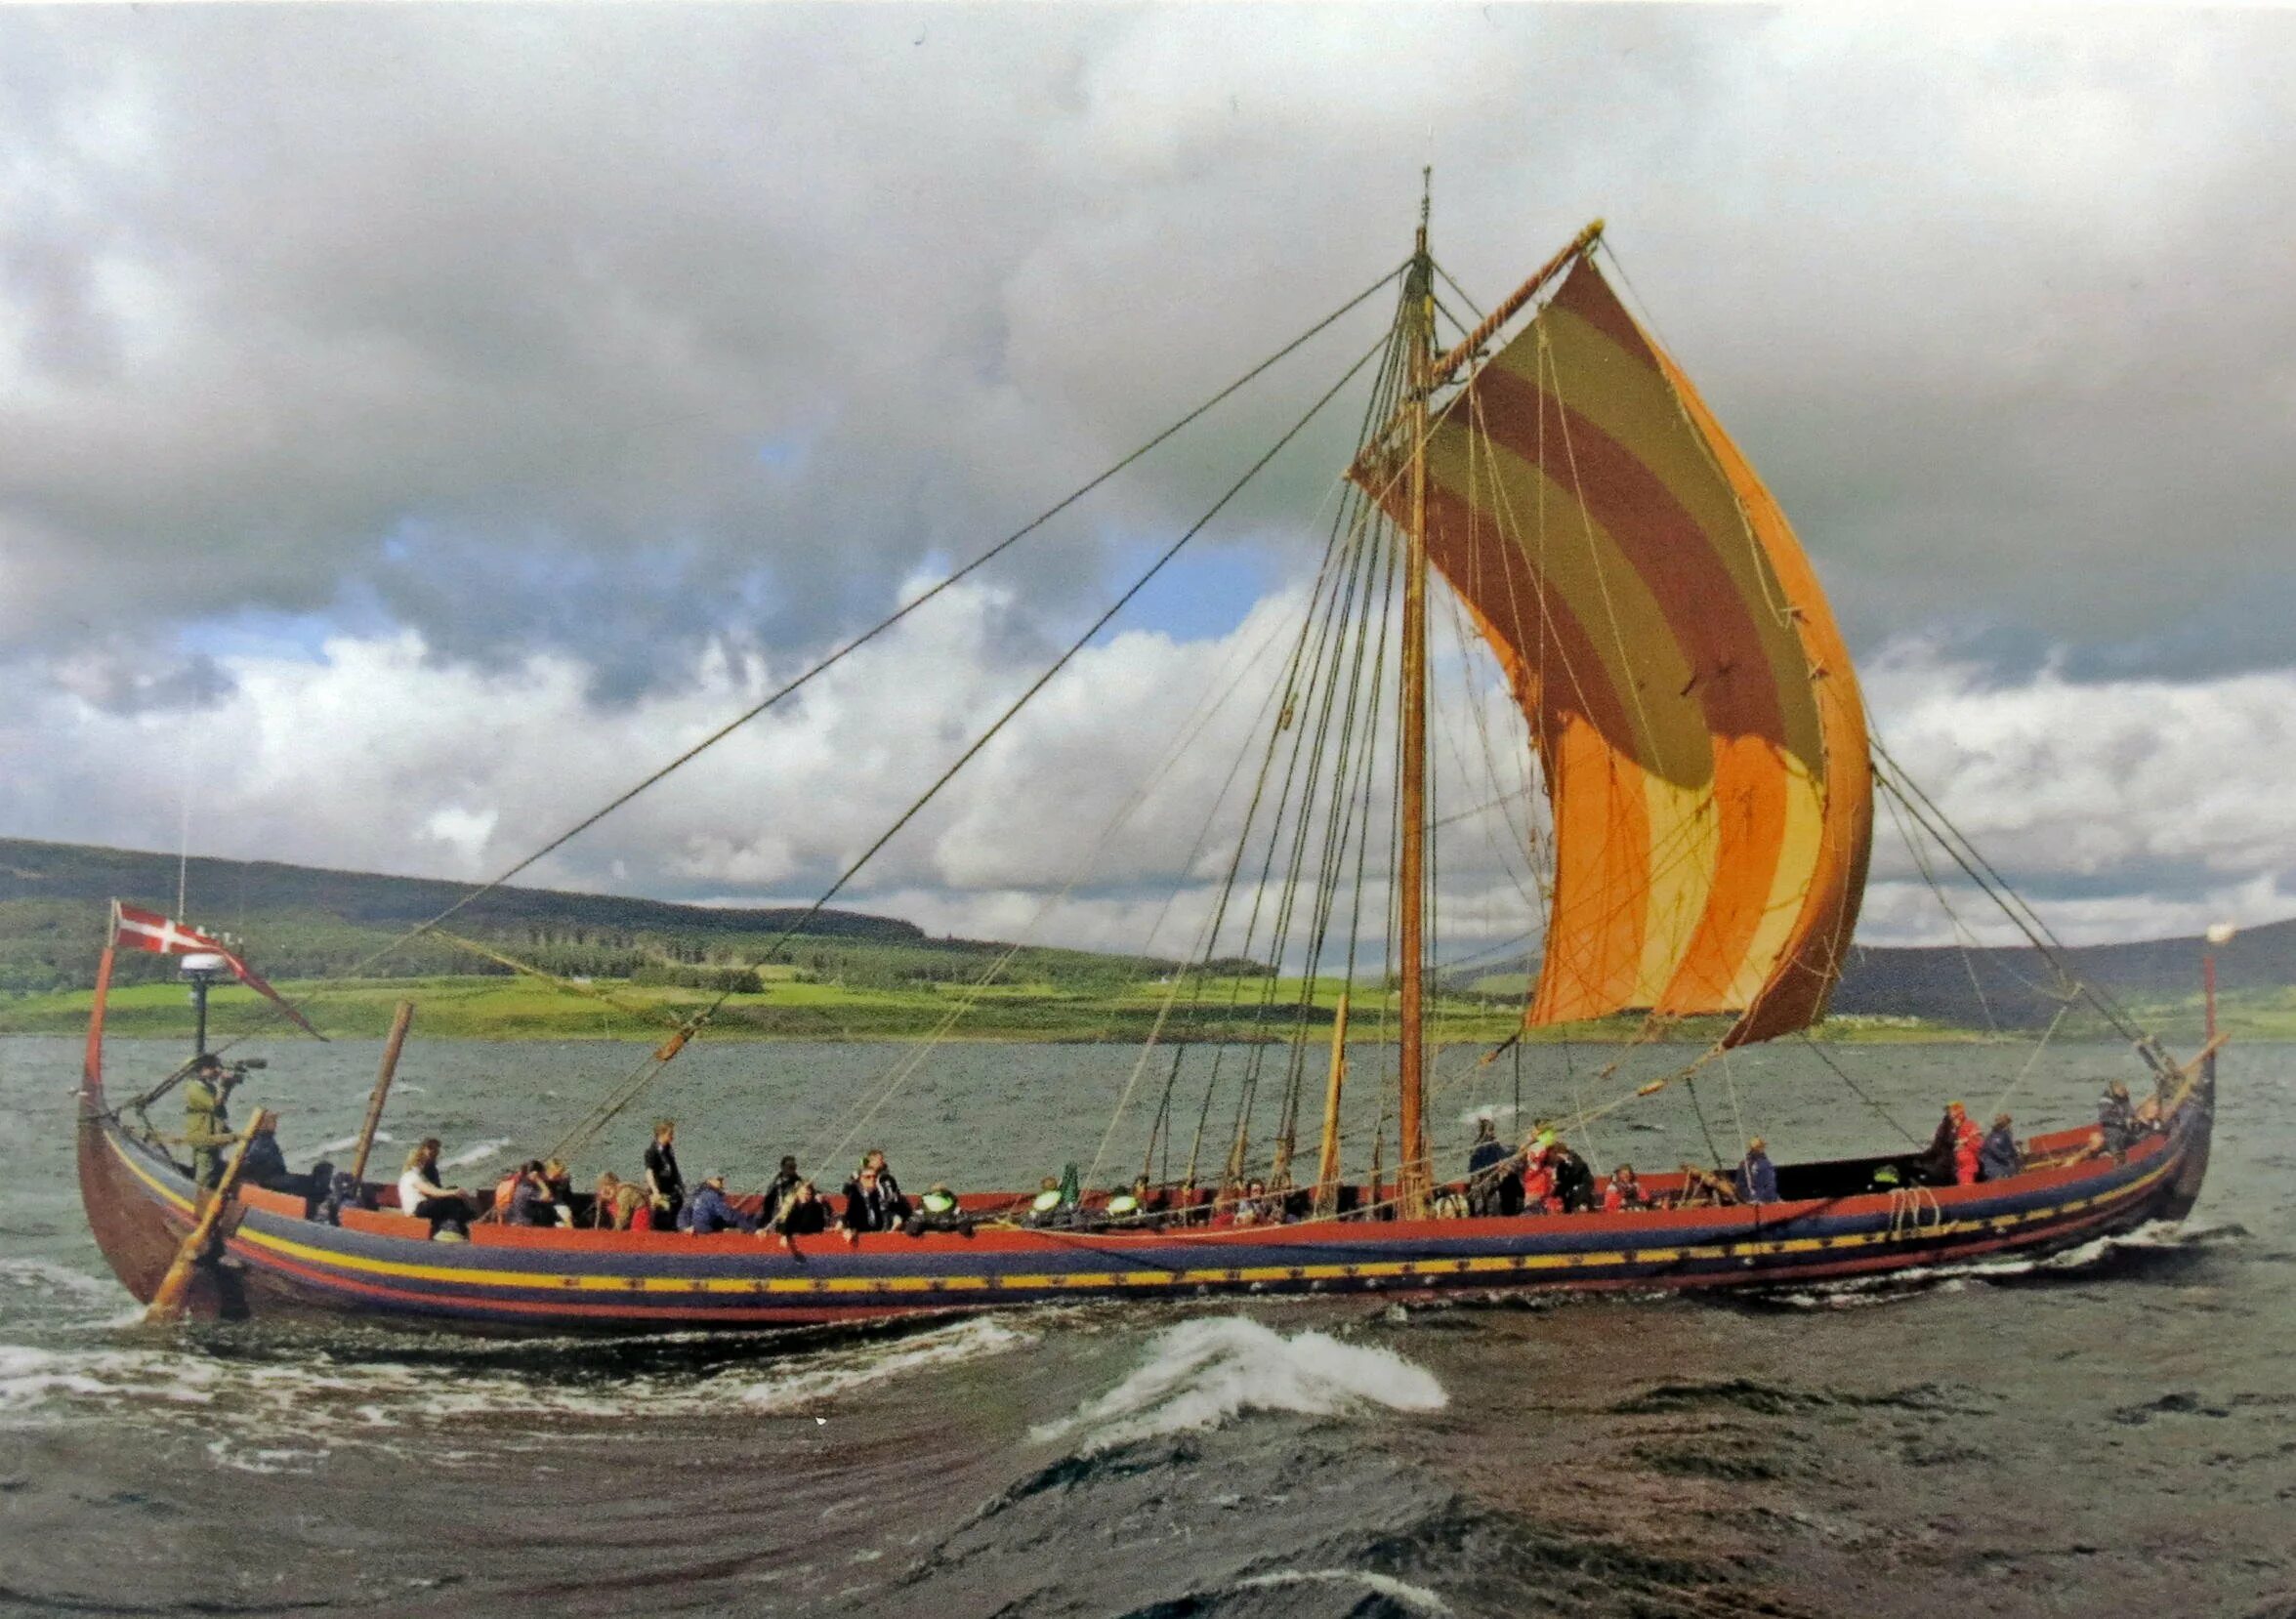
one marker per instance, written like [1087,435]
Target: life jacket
[1045,1203]
[1123,1203]
[938,1203]
[1968,1142]
[499,1212]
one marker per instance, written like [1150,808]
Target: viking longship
[1692,730]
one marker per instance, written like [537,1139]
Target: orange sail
[1689,697]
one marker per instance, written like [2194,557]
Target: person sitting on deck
[869,1204]
[1574,1183]
[2118,1119]
[449,1209]
[531,1202]
[802,1213]
[1934,1165]
[778,1189]
[207,1122]
[1622,1192]
[1999,1158]
[1756,1178]
[1538,1173]
[633,1209]
[1257,1208]
[1044,1209]
[1487,1167]
[938,1211]
[665,1186]
[710,1212]
[602,1199]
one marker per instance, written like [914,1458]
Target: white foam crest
[1493,1111]
[1205,1373]
[344,1143]
[53,1279]
[318,1398]
[1417,1597]
[963,1341]
[1896,1285]
[476,1154]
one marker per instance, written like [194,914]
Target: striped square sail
[1691,699]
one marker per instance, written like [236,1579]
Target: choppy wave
[477,1154]
[1205,1373]
[284,1414]
[1896,1286]
[344,1143]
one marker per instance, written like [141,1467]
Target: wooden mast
[1411,870]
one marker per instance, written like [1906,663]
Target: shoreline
[510,1011]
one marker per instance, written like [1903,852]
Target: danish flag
[163,935]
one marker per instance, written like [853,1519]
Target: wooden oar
[367,1130]
[167,1304]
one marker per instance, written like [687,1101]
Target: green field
[472,1008]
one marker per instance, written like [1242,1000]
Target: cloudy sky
[417,424]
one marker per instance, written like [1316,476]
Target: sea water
[2106,1431]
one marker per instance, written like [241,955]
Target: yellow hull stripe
[1106,1280]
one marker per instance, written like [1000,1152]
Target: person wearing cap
[207,1122]
[709,1212]
[1999,1159]
[1757,1177]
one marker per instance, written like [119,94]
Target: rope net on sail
[1690,698]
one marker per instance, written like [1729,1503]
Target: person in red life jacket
[1538,1173]
[1969,1143]
[1623,1192]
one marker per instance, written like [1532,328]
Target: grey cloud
[752,310]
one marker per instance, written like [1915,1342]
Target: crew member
[1999,1158]
[1756,1178]
[665,1186]
[1623,1190]
[1969,1143]
[712,1213]
[1486,1163]
[207,1122]
[2116,1119]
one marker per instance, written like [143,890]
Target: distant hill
[2009,989]
[310,922]
[225,888]
[2012,986]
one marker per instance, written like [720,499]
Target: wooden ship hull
[379,1268]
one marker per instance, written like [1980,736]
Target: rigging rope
[670,1048]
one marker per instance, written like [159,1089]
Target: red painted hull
[379,1268]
